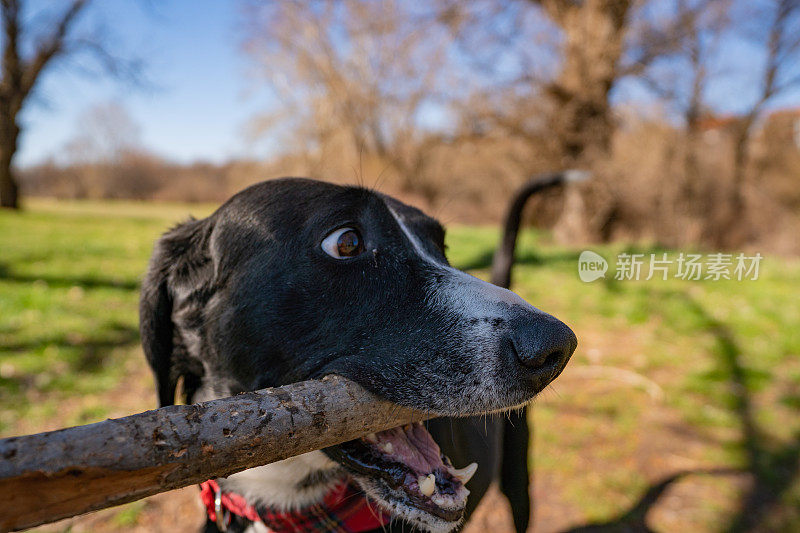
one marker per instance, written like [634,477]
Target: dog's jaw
[267,485]
[391,500]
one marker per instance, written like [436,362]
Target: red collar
[344,509]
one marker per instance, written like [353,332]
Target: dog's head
[294,279]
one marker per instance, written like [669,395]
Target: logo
[591,266]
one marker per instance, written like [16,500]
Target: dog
[294,279]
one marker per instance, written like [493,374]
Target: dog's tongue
[412,445]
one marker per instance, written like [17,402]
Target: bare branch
[126,459]
[20,74]
[778,58]
[12,70]
[51,46]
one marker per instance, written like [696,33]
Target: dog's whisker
[361,165]
[376,186]
[375,514]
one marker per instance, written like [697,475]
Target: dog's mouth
[404,469]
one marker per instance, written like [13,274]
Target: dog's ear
[177,258]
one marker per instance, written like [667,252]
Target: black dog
[293,279]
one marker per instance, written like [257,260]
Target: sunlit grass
[69,278]
[722,353]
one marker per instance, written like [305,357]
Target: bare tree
[351,76]
[586,38]
[691,43]
[21,71]
[675,56]
[594,32]
[523,87]
[104,133]
[582,120]
[564,59]
[674,51]
[780,38]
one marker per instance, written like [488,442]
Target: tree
[351,76]
[21,70]
[104,133]
[582,120]
[674,51]
[553,65]
[594,32]
[586,36]
[777,31]
[675,57]
[680,57]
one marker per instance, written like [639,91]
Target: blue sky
[203,92]
[200,98]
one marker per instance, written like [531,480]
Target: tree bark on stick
[49,476]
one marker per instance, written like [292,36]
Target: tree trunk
[594,34]
[58,474]
[9,191]
[581,120]
[737,202]
[732,232]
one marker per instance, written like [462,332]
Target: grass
[69,281]
[670,375]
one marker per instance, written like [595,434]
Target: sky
[200,90]
[198,93]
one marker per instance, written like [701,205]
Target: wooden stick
[58,474]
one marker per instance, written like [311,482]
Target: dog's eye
[343,243]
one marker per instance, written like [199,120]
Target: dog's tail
[514,474]
[504,256]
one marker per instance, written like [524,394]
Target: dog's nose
[543,342]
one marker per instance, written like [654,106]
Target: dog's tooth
[387,447]
[466,473]
[372,438]
[427,484]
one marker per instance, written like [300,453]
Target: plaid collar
[344,509]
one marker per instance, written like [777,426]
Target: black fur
[515,476]
[247,299]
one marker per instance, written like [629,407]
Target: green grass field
[700,378]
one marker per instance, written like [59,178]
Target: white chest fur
[277,485]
